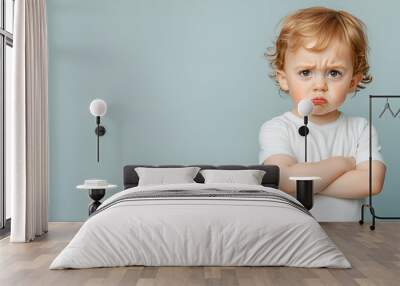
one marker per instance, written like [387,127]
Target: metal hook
[387,107]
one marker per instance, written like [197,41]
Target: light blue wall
[185,82]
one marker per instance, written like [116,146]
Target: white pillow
[163,176]
[248,177]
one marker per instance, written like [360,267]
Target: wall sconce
[98,108]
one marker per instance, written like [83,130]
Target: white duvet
[200,231]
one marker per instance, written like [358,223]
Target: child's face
[325,77]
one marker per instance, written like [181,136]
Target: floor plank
[374,255]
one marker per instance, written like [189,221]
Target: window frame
[6,39]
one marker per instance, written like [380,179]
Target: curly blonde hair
[323,25]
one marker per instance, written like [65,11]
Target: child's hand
[347,163]
[351,163]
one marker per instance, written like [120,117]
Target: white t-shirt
[347,136]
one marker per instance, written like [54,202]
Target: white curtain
[27,123]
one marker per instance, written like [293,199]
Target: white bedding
[200,231]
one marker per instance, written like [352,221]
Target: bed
[201,224]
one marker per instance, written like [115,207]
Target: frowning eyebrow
[310,66]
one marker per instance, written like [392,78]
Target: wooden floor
[374,255]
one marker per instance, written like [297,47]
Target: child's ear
[281,77]
[355,81]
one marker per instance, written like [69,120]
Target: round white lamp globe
[98,107]
[305,107]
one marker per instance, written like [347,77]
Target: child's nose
[320,83]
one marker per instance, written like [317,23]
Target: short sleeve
[362,152]
[274,139]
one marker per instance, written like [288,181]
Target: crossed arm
[340,176]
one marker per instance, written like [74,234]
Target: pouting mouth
[319,101]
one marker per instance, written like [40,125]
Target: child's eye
[334,74]
[305,73]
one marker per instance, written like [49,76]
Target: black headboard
[270,179]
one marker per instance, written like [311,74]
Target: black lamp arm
[100,131]
[305,138]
